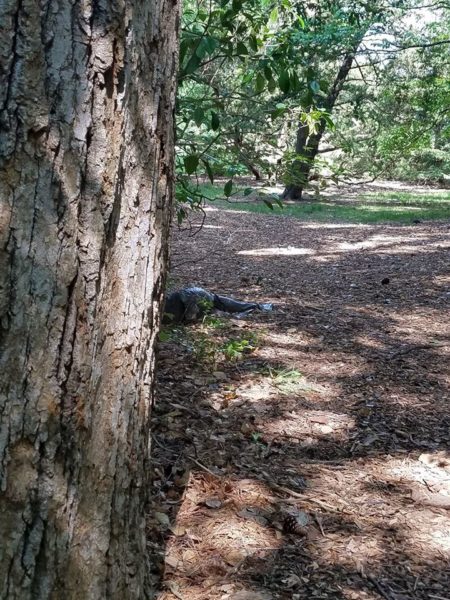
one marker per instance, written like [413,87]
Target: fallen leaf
[162,518]
[291,581]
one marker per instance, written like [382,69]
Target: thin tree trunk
[86,105]
[307,146]
[238,144]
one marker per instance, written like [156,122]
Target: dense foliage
[289,90]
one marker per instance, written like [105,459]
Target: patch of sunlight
[354,550]
[292,336]
[212,227]
[428,482]
[402,209]
[280,251]
[441,279]
[302,425]
[367,342]
[291,381]
[334,226]
[273,189]
[255,393]
[349,593]
[232,540]
[423,326]
[413,248]
[377,241]
[432,468]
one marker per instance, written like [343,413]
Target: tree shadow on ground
[237,454]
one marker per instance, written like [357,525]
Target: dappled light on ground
[279,251]
[303,453]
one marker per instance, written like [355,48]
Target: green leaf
[190,163]
[211,44]
[277,113]
[260,83]
[294,82]
[284,82]
[247,191]
[268,73]
[253,43]
[192,65]
[208,170]
[273,18]
[198,116]
[241,49]
[206,46]
[268,203]
[329,121]
[184,47]
[228,187]
[271,85]
[215,121]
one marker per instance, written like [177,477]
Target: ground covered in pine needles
[303,453]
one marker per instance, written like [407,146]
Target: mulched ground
[314,461]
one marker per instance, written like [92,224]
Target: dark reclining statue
[193,303]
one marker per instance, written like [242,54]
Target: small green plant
[289,381]
[164,335]
[257,437]
[286,380]
[215,322]
[234,349]
[206,349]
[171,333]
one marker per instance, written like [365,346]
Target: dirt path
[316,466]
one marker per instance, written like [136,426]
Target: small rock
[213,503]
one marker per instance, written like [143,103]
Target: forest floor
[304,453]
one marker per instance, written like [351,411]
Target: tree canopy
[328,89]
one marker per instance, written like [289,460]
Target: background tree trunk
[307,146]
[86,107]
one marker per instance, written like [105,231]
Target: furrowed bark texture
[86,105]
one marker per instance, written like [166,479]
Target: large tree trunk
[306,145]
[86,105]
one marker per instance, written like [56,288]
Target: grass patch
[435,199]
[291,381]
[379,207]
[212,341]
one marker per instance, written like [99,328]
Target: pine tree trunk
[86,142]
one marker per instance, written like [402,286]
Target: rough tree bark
[86,105]
[306,145]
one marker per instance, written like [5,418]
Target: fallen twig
[198,463]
